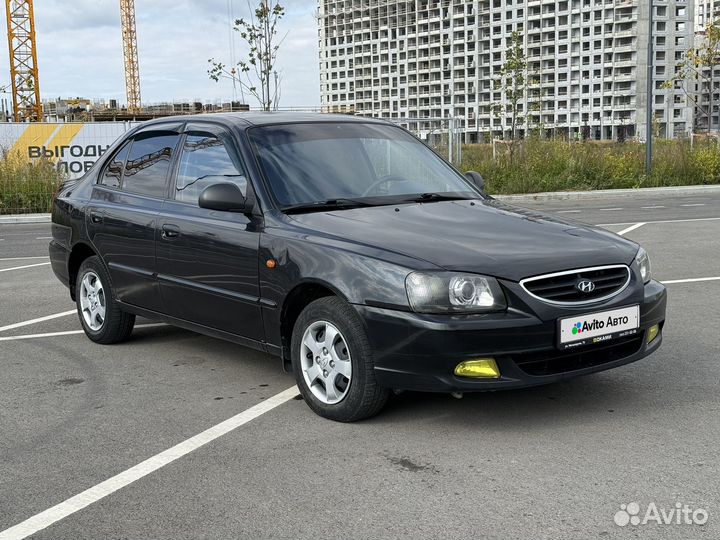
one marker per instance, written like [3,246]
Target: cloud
[80,49]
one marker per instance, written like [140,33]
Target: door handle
[170,231]
[96,217]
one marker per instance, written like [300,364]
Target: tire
[345,361]
[102,319]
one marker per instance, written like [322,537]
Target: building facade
[707,115]
[586,71]
[706,11]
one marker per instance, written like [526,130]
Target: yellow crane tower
[132,69]
[23,61]
[24,65]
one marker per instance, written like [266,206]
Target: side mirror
[226,197]
[476,180]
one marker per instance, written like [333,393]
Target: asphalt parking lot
[549,462]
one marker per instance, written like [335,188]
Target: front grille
[562,287]
[553,362]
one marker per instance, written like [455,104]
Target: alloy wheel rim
[325,362]
[92,301]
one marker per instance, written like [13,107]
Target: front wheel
[333,362]
[100,316]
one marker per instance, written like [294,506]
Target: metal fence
[27,188]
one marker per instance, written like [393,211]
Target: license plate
[598,327]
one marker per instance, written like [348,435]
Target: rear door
[207,260]
[122,218]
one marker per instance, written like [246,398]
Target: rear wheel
[100,316]
[333,362]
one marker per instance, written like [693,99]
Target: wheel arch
[80,252]
[295,301]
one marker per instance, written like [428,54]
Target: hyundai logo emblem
[585,286]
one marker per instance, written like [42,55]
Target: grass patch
[27,188]
[535,166]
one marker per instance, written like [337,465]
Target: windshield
[370,163]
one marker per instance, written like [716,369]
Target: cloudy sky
[80,49]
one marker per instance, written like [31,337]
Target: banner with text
[72,147]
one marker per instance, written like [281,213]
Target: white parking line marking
[652,207]
[33,321]
[690,280]
[661,221]
[632,228]
[694,204]
[44,519]
[568,211]
[17,234]
[66,333]
[44,238]
[609,209]
[26,266]
[23,258]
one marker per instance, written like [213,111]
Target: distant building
[90,110]
[62,109]
[438,59]
[706,12]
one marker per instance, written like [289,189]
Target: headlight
[448,292]
[643,262]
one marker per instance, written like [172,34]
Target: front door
[208,260]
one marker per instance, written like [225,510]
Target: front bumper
[419,352]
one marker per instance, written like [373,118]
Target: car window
[404,159]
[113,172]
[315,169]
[148,162]
[206,160]
[315,162]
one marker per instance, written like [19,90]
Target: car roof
[263,118]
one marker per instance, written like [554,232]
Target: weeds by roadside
[540,165]
[27,187]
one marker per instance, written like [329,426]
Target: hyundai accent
[351,251]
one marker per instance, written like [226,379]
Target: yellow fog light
[653,333]
[482,368]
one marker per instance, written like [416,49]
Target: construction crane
[132,69]
[25,81]
[23,61]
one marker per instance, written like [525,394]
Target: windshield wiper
[343,204]
[431,197]
[329,204]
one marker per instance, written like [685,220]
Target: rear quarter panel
[67,228]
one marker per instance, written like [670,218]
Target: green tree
[512,81]
[256,74]
[695,73]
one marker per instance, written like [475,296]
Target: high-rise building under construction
[586,63]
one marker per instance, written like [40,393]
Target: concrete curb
[24,218]
[531,197]
[611,193]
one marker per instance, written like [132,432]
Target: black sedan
[350,250]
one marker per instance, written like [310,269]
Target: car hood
[486,237]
